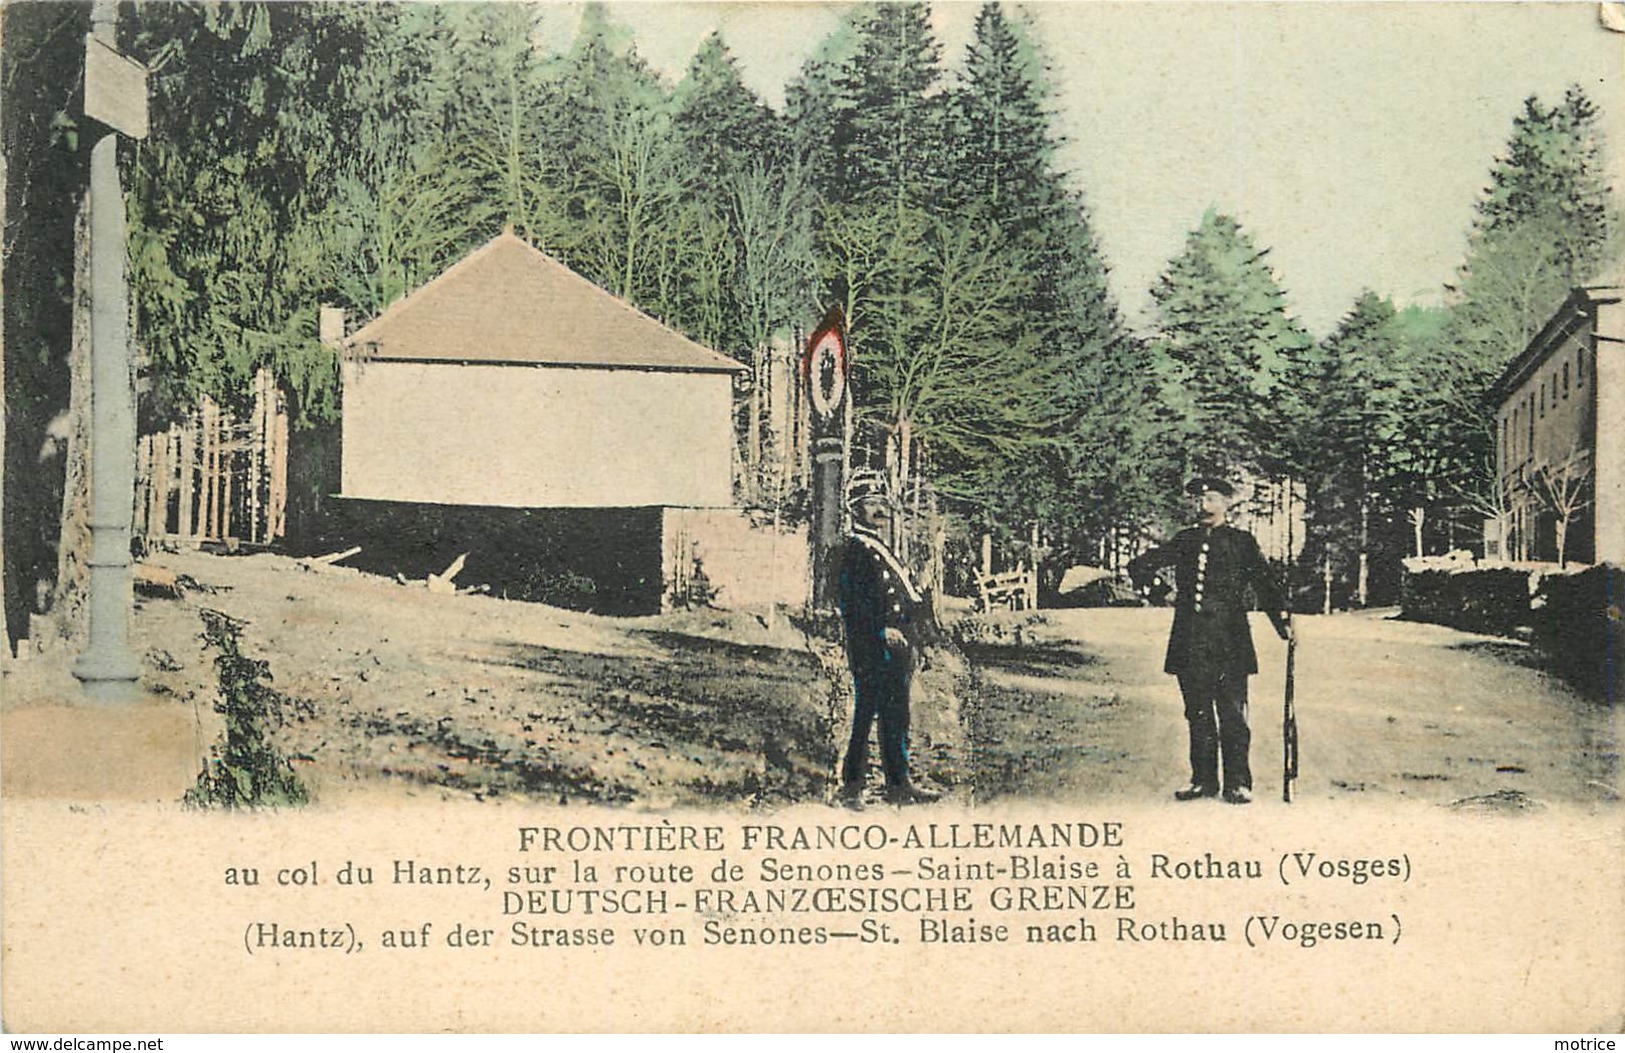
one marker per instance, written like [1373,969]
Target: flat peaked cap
[1203,483]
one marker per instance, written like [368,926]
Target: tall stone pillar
[115,95]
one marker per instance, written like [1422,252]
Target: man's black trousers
[1216,709]
[882,691]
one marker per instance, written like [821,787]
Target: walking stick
[1289,724]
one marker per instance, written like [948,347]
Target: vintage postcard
[812,517]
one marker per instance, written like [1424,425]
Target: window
[1565,380]
[1543,398]
[1580,368]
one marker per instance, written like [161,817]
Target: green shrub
[243,770]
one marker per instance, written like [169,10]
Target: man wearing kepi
[883,614]
[1210,648]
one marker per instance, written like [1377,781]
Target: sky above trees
[1350,140]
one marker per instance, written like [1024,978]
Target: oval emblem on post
[825,366]
[826,372]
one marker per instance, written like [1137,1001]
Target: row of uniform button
[1201,573]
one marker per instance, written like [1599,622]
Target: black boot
[908,793]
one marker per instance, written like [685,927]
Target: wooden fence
[215,477]
[1014,589]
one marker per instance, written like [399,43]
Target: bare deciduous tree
[1484,495]
[1564,487]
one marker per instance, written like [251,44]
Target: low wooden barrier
[1015,590]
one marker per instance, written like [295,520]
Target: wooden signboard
[115,89]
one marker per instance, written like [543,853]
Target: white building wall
[536,437]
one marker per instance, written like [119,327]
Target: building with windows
[1560,423]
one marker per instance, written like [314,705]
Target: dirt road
[385,688]
[1386,709]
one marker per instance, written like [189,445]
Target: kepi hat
[1203,483]
[866,484]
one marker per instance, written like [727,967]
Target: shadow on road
[1040,719]
[1512,652]
[747,702]
[1033,660]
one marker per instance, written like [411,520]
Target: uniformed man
[883,614]
[1210,648]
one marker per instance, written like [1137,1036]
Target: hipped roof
[508,302]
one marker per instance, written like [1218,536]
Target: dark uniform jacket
[875,594]
[1218,571]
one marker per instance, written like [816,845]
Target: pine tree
[1542,227]
[1223,338]
[934,351]
[734,158]
[217,191]
[611,129]
[1443,459]
[1553,165]
[1001,146]
[812,106]
[493,128]
[1351,433]
[725,129]
[407,197]
[1001,150]
[887,116]
[1545,224]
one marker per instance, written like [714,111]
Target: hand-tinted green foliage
[1001,152]
[1223,341]
[1351,411]
[725,130]
[310,153]
[990,354]
[888,118]
[244,769]
[1394,436]
[217,190]
[997,128]
[1545,224]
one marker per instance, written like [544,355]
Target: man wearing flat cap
[883,613]
[1210,648]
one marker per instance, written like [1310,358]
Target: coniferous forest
[303,154]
